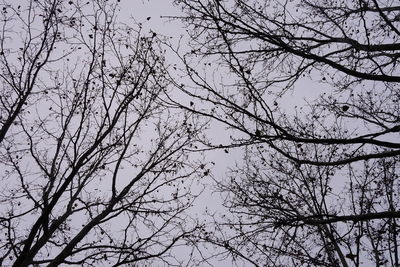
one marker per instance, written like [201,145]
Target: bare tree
[94,161]
[320,180]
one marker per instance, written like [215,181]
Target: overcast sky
[157,10]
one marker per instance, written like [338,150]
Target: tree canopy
[93,158]
[319,182]
[103,141]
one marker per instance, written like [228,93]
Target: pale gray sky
[140,11]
